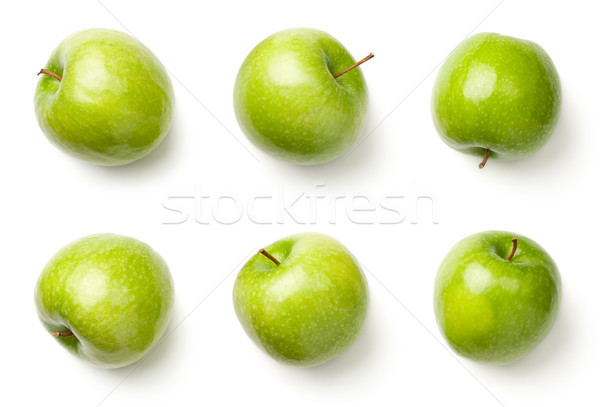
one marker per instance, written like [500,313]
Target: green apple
[289,102]
[497,97]
[496,296]
[104,97]
[302,299]
[106,298]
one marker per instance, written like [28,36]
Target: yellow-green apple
[496,296]
[302,299]
[496,97]
[106,298]
[104,97]
[296,99]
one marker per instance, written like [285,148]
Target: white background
[50,199]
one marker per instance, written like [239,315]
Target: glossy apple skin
[288,103]
[496,92]
[310,308]
[115,102]
[492,310]
[114,293]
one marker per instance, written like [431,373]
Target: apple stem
[365,59]
[269,256]
[52,74]
[61,334]
[514,249]
[485,158]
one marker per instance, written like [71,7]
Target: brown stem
[365,59]
[269,256]
[485,158]
[514,249]
[52,74]
[62,334]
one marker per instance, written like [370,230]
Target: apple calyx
[269,256]
[62,334]
[514,249]
[485,158]
[52,74]
[365,59]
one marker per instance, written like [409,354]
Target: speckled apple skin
[310,308]
[288,103]
[492,310]
[496,92]
[113,292]
[115,102]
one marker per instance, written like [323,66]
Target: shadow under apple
[551,351]
[348,363]
[355,161]
[556,153]
[158,356]
[157,162]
